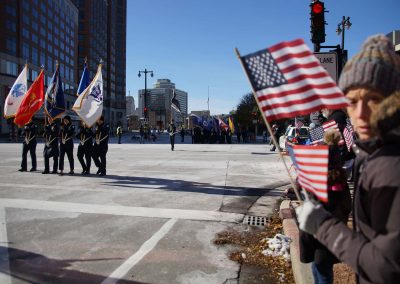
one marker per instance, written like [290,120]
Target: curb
[301,271]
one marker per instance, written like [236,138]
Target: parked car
[290,135]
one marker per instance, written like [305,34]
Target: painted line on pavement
[198,215]
[5,262]
[147,247]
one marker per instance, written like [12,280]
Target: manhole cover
[255,221]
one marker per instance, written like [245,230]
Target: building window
[49,64]
[11,68]
[50,48]
[11,10]
[11,46]
[25,51]
[12,26]
[25,33]
[34,74]
[35,38]
[35,57]
[34,26]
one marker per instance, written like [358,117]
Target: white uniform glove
[310,216]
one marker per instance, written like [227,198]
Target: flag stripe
[285,44]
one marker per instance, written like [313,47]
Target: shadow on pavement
[187,186]
[31,267]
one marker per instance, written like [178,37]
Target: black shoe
[83,173]
[45,172]
[98,172]
[22,170]
[54,172]
[60,173]
[87,173]
[71,173]
[102,174]
[33,170]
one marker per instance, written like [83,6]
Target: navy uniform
[29,144]
[100,147]
[172,133]
[51,147]
[67,144]
[85,137]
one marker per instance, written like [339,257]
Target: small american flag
[222,124]
[311,163]
[317,134]
[348,134]
[299,124]
[289,81]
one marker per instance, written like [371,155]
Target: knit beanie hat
[376,66]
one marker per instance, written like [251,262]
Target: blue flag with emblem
[54,98]
[85,80]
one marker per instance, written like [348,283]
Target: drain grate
[255,221]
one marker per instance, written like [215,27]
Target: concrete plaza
[152,219]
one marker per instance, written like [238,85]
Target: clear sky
[191,42]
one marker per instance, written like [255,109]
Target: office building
[102,36]
[159,104]
[38,33]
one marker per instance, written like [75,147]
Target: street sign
[329,61]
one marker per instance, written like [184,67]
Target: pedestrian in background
[51,149]
[182,132]
[29,144]
[371,82]
[172,133]
[119,132]
[100,147]
[85,137]
[67,144]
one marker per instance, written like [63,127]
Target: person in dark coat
[29,144]
[172,133]
[85,137]
[339,205]
[67,144]
[51,149]
[371,82]
[100,147]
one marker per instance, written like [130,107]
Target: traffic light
[317,22]
[145,110]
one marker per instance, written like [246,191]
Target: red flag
[289,81]
[32,102]
[311,164]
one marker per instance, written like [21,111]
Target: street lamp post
[145,89]
[345,23]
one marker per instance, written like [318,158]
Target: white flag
[89,104]
[16,94]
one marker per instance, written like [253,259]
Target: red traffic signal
[317,7]
[317,22]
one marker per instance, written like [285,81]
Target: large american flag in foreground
[289,81]
[311,163]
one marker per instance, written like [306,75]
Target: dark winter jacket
[372,249]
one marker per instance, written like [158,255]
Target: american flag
[317,134]
[348,134]
[222,124]
[289,81]
[311,163]
[299,124]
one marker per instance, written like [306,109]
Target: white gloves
[310,216]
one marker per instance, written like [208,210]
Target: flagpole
[269,128]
